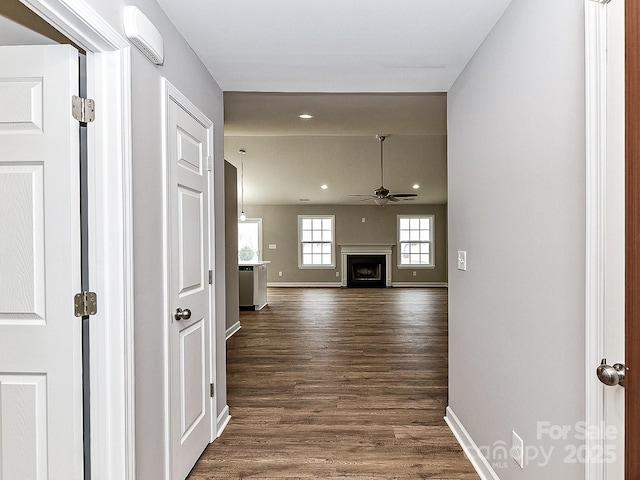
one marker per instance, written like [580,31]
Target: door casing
[596,228]
[110,232]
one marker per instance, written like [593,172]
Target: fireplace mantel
[385,249]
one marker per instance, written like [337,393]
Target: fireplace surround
[371,261]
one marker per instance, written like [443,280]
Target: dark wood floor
[334,383]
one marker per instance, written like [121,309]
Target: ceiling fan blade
[404,195]
[393,198]
[361,195]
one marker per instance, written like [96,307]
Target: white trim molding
[420,284]
[596,158]
[304,284]
[385,249]
[232,329]
[222,421]
[471,450]
[110,230]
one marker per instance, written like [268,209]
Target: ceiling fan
[382,195]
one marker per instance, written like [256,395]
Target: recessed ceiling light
[324,187]
[306,116]
[416,186]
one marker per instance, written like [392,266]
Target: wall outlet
[517,449]
[364,219]
[337,274]
[272,246]
[462,260]
[279,274]
[414,273]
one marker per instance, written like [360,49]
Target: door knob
[182,314]
[609,375]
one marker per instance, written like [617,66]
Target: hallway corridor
[335,383]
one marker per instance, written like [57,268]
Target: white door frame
[110,232]
[171,93]
[596,163]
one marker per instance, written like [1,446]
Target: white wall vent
[143,34]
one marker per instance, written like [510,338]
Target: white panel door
[40,339]
[188,150]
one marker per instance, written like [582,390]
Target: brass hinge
[85,303]
[212,390]
[83,109]
[210,277]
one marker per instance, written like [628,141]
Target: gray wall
[231,236]
[280,226]
[517,206]
[186,72]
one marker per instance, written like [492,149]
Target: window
[316,241]
[415,241]
[250,240]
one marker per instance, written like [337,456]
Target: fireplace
[366,264]
[366,271]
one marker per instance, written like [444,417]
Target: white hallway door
[189,150]
[40,338]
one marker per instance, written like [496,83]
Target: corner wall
[516,136]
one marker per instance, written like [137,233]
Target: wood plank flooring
[335,383]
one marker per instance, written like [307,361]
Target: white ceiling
[288,159]
[355,56]
[335,45]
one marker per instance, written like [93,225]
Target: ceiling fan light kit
[381,196]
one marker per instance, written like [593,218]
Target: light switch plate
[462,260]
[517,449]
[272,246]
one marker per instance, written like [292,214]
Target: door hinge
[83,109]
[209,163]
[210,277]
[85,303]
[212,390]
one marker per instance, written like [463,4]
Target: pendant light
[243,217]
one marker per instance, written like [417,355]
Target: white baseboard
[338,285]
[223,420]
[232,329]
[470,448]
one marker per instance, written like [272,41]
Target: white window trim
[432,242]
[259,222]
[333,243]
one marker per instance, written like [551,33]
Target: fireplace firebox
[366,271]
